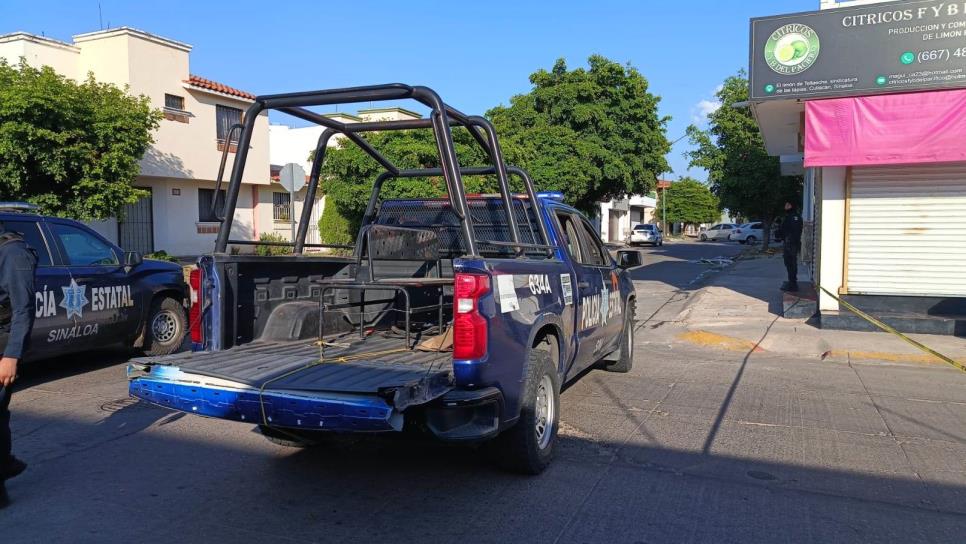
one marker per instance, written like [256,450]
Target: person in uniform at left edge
[17,265]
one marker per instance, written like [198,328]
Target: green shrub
[161,255]
[334,228]
[270,251]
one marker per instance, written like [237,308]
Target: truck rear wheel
[626,360]
[527,447]
[165,329]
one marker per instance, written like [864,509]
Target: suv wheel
[527,447]
[626,360]
[751,240]
[165,328]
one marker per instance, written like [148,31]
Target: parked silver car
[645,234]
[721,231]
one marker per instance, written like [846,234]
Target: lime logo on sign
[792,49]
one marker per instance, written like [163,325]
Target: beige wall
[63,58]
[832,193]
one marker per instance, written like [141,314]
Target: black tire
[626,360]
[165,327]
[524,448]
[704,237]
[751,240]
[289,440]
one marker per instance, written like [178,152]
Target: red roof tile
[200,82]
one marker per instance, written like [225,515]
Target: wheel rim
[545,410]
[164,326]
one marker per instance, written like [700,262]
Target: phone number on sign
[940,55]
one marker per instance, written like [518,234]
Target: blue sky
[475,54]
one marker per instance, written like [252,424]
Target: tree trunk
[766,224]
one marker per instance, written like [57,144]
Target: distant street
[693,445]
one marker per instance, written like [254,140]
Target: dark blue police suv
[92,294]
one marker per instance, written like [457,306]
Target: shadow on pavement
[49,370]
[158,487]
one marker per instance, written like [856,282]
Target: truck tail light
[469,326]
[194,311]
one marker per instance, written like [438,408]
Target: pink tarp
[886,129]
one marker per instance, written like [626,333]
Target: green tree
[348,175]
[746,180]
[71,148]
[688,201]
[593,134]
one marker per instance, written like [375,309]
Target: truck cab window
[32,237]
[596,255]
[571,238]
[82,248]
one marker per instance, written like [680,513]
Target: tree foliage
[688,201]
[747,181]
[591,133]
[72,148]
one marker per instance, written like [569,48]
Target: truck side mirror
[132,258]
[628,258]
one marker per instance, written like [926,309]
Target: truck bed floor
[260,363]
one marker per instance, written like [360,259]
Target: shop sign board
[862,50]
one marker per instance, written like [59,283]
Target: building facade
[615,218]
[884,168]
[180,168]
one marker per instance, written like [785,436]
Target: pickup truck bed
[261,364]
[363,386]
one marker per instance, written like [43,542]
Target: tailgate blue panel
[329,412]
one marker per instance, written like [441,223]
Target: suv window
[644,227]
[82,248]
[571,238]
[595,255]
[714,227]
[756,226]
[32,237]
[727,227]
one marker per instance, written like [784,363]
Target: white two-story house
[180,168]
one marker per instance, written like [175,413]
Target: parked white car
[645,234]
[748,233]
[721,231]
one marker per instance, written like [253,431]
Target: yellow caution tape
[887,328]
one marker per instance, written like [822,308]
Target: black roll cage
[441,118]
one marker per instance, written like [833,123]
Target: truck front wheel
[626,358]
[165,329]
[527,447]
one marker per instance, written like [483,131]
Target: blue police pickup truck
[459,317]
[91,294]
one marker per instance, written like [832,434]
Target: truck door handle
[583,285]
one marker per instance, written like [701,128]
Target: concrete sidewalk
[740,310]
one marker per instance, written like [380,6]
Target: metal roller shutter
[907,230]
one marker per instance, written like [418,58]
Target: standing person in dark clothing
[17,265]
[791,231]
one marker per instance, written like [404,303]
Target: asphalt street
[693,445]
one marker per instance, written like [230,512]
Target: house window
[205,196]
[225,117]
[282,206]
[174,102]
[174,108]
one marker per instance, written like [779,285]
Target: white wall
[176,222]
[832,192]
